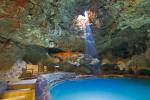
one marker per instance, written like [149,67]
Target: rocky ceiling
[121,28]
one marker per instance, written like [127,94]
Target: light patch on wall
[81,21]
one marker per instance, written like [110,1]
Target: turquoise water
[102,89]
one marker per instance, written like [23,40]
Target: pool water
[102,89]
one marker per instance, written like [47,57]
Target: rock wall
[37,22]
[28,27]
[14,72]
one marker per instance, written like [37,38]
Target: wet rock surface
[45,82]
[53,78]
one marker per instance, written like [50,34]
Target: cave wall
[124,31]
[37,22]
[121,29]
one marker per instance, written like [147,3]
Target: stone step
[18,94]
[16,98]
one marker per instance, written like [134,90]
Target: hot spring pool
[102,89]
